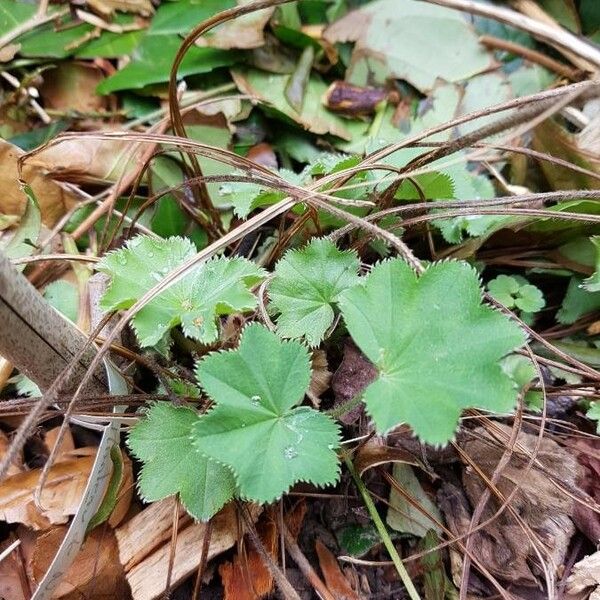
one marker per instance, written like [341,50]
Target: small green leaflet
[437,348]
[594,413]
[161,440]
[592,284]
[218,287]
[516,292]
[256,427]
[306,286]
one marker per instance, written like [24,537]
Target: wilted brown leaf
[85,160]
[61,494]
[247,577]
[335,580]
[53,200]
[71,86]
[503,547]
[95,574]
[585,577]
[17,465]
[244,32]
[552,138]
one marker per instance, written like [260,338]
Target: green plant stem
[385,537]
[337,411]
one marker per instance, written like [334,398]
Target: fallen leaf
[551,137]
[247,577]
[108,8]
[586,518]
[391,42]
[147,578]
[402,515]
[85,160]
[352,377]
[243,32]
[585,577]
[17,464]
[270,89]
[320,376]
[71,87]
[54,201]
[96,573]
[60,496]
[375,453]
[502,546]
[335,580]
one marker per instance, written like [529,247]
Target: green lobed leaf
[219,286]
[577,302]
[306,286]
[161,440]
[516,292]
[436,346]
[256,427]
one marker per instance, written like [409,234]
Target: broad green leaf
[390,43]
[577,302]
[433,186]
[64,297]
[257,428]
[13,14]
[22,242]
[270,89]
[306,286]
[592,284]
[152,60]
[436,346]
[218,287]
[162,441]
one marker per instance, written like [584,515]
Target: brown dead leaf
[375,452]
[60,497]
[551,137]
[352,377]
[247,577]
[85,160]
[53,200]
[503,546]
[263,154]
[335,580]
[108,8]
[320,376]
[586,518]
[95,574]
[17,465]
[144,545]
[66,444]
[71,86]
[585,577]
[14,583]
[244,32]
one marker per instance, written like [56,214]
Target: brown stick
[304,566]
[532,56]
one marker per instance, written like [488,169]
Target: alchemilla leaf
[256,427]
[161,440]
[306,286]
[436,346]
[217,287]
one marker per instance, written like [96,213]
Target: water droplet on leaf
[256,400]
[290,452]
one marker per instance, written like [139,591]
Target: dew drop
[122,259]
[290,452]
[243,424]
[156,275]
[256,400]
[187,304]
[150,254]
